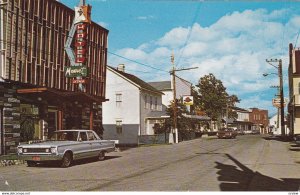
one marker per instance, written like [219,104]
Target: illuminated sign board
[76,71]
[80,44]
[78,68]
[188,100]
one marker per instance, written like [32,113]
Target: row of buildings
[293,116]
[42,87]
[134,107]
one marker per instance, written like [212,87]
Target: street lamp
[279,68]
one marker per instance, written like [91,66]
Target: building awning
[50,93]
[202,118]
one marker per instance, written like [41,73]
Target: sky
[231,39]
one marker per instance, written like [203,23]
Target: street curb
[5,163]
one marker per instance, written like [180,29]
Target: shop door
[52,121]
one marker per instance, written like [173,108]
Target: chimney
[121,68]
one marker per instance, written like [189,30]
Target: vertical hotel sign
[78,69]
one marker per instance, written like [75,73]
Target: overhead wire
[189,33]
[146,65]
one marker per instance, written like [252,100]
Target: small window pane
[119,126]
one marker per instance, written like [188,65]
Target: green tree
[184,124]
[214,99]
[197,100]
[231,101]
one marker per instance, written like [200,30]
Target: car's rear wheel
[67,160]
[101,156]
[31,163]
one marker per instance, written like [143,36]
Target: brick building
[260,119]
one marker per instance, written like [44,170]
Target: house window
[155,104]
[118,100]
[119,126]
[146,100]
[151,103]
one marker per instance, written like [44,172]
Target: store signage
[75,71]
[77,81]
[188,100]
[80,44]
[82,14]
[276,102]
[78,68]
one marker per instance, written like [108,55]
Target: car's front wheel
[101,156]
[67,160]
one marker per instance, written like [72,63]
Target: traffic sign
[276,102]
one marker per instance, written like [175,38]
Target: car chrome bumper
[41,157]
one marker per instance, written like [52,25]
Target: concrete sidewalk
[278,168]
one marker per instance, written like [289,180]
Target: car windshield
[64,136]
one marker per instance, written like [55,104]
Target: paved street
[248,163]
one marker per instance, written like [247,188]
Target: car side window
[91,136]
[83,136]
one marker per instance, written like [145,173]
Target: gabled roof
[161,85]
[135,80]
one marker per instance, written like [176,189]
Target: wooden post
[60,119]
[91,118]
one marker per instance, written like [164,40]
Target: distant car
[226,133]
[255,132]
[66,146]
[240,132]
[247,131]
[296,139]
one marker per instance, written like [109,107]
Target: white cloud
[145,17]
[255,102]
[174,38]
[234,49]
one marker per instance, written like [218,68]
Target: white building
[183,87]
[275,125]
[242,121]
[133,108]
[294,90]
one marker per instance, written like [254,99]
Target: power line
[189,33]
[146,65]
[297,39]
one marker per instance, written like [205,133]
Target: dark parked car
[226,133]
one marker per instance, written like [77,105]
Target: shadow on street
[241,178]
[279,138]
[75,163]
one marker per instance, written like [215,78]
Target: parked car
[240,132]
[255,132]
[296,139]
[65,146]
[226,133]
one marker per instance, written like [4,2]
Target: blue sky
[230,39]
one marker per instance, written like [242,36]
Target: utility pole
[175,130]
[279,68]
[82,2]
[278,109]
[172,72]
